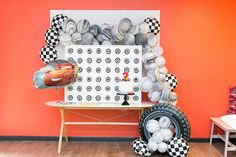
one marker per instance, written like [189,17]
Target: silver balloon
[106,34]
[87,39]
[95,30]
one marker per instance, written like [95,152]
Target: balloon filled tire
[180,123]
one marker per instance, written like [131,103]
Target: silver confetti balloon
[83,26]
[140,39]
[76,38]
[144,28]
[129,39]
[116,33]
[69,26]
[87,39]
[125,25]
[106,34]
[134,29]
[95,30]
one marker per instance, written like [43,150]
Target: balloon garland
[159,84]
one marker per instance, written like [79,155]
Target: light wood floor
[92,149]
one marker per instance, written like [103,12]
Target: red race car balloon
[56,74]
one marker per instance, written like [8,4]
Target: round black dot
[117,60]
[108,51]
[98,60]
[127,51]
[136,60]
[98,97]
[136,70]
[89,50]
[79,79]
[117,98]
[89,97]
[98,70]
[89,69]
[69,88]
[70,50]
[107,97]
[79,88]
[89,60]
[135,79]
[98,51]
[108,79]
[70,59]
[89,79]
[108,60]
[117,51]
[135,98]
[117,88]
[79,51]
[98,88]
[98,79]
[80,69]
[117,69]
[107,88]
[126,60]
[79,60]
[117,79]
[79,98]
[108,70]
[69,97]
[88,88]
[136,89]
[126,69]
[136,51]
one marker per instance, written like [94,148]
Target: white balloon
[160,61]
[152,40]
[162,147]
[144,28]
[157,51]
[152,126]
[146,84]
[164,122]
[163,70]
[167,133]
[154,96]
[157,137]
[152,146]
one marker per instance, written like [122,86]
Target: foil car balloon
[56,74]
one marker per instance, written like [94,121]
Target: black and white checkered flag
[154,25]
[177,147]
[52,37]
[48,53]
[57,21]
[171,80]
[140,147]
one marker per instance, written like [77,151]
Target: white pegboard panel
[100,69]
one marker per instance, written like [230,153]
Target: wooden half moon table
[63,106]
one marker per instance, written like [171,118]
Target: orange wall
[199,41]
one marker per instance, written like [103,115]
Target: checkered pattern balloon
[57,21]
[177,147]
[48,53]
[52,37]
[154,25]
[140,147]
[171,80]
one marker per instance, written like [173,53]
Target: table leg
[61,130]
[65,129]
[226,143]
[212,131]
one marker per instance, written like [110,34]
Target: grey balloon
[87,39]
[129,39]
[76,38]
[125,24]
[116,33]
[95,30]
[83,26]
[106,34]
[140,39]
[134,29]
[100,38]
[69,26]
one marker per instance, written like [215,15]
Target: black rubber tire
[175,114]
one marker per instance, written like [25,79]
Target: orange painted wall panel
[199,41]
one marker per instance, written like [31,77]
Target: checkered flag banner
[154,25]
[52,37]
[48,53]
[57,21]
[177,147]
[140,147]
[171,80]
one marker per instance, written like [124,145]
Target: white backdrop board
[99,17]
